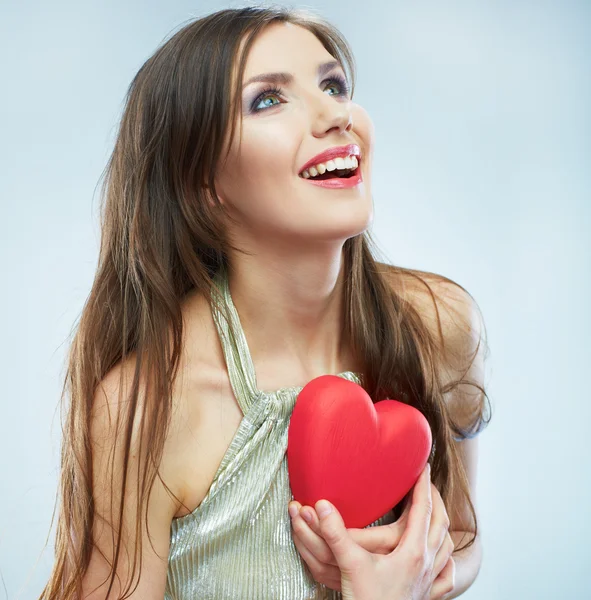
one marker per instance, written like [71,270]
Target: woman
[221,253]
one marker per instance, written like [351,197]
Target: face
[282,130]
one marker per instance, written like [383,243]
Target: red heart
[364,458]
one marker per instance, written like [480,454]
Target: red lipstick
[339,182]
[331,153]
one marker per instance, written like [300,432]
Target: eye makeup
[274,90]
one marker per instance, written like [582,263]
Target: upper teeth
[348,162]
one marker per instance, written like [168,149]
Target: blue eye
[264,95]
[276,91]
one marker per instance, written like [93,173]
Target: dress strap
[233,340]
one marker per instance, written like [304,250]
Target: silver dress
[237,544]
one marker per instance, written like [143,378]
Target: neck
[291,310]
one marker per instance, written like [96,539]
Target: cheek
[363,127]
[265,165]
[270,150]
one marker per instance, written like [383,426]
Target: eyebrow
[287,78]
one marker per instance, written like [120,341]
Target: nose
[330,115]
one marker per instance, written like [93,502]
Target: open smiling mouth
[331,169]
[347,176]
[328,175]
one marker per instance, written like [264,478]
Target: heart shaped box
[362,457]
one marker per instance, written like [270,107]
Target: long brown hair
[163,235]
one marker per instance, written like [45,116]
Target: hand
[316,552]
[418,567]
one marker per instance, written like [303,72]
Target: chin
[344,228]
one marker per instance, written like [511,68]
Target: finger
[405,512]
[327,574]
[419,516]
[439,525]
[294,507]
[309,515]
[443,555]
[347,553]
[445,583]
[406,502]
[315,543]
[380,539]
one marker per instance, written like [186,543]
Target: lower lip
[338,183]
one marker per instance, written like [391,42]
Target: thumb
[346,552]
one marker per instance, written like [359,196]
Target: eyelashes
[277,91]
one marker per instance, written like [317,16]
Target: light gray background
[482,173]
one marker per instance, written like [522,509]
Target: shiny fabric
[237,544]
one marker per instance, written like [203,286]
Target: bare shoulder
[445,307]
[455,323]
[206,414]
[203,419]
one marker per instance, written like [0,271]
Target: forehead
[285,47]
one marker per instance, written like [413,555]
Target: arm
[467,561]
[463,345]
[105,441]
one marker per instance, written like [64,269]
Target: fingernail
[293,510]
[307,516]
[323,508]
